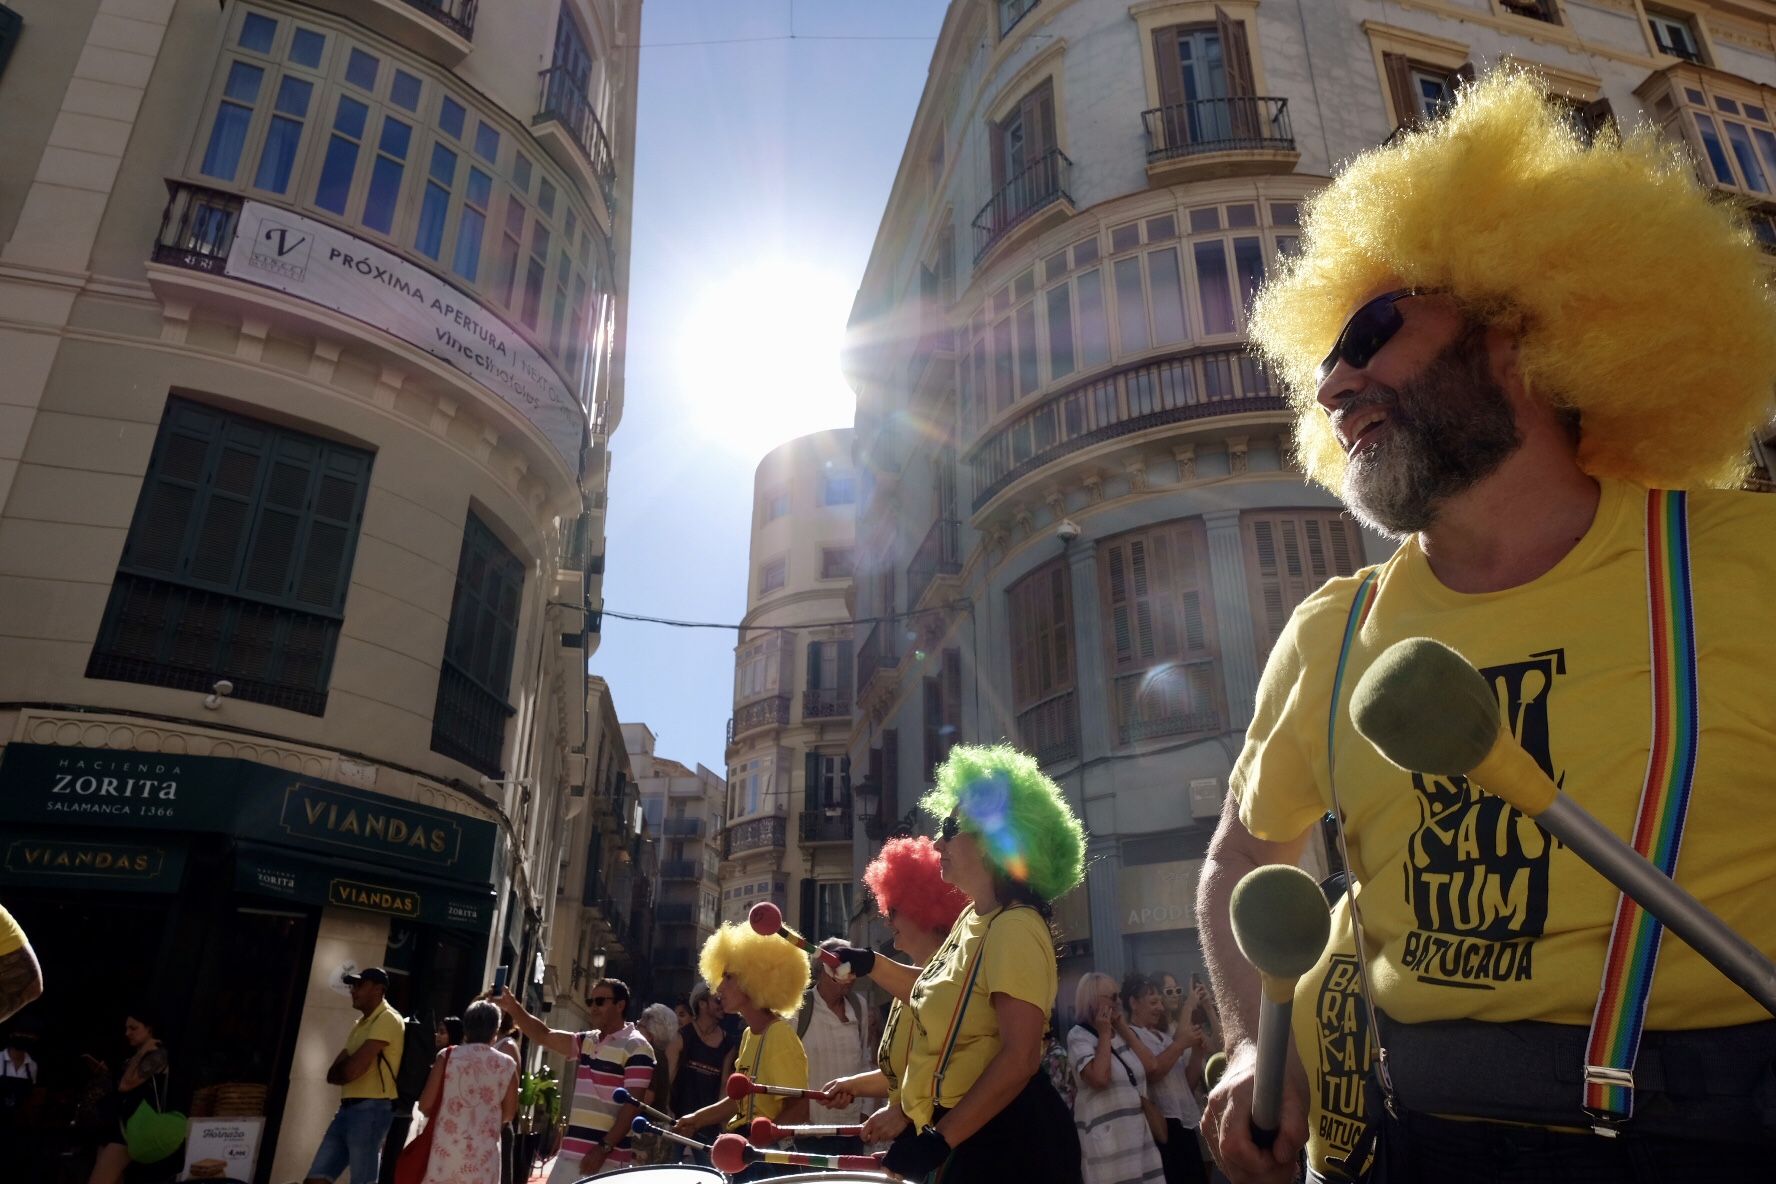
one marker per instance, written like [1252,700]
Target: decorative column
[1233,615]
[1102,871]
[1090,690]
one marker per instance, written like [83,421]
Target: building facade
[790,820]
[313,319]
[684,811]
[1077,503]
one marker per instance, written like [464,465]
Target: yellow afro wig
[1641,302]
[767,967]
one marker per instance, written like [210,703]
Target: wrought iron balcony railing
[940,554]
[826,703]
[456,15]
[1218,125]
[1171,698]
[764,713]
[834,825]
[1194,385]
[1049,731]
[469,723]
[1041,183]
[197,227]
[757,834]
[880,649]
[564,101]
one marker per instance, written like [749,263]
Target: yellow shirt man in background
[366,1070]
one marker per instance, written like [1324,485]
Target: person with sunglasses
[707,1059]
[610,1054]
[1533,359]
[977,1100]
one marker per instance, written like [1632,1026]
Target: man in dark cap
[365,1070]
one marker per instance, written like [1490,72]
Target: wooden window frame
[766,588]
[1274,594]
[1164,616]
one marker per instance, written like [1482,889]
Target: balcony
[568,127]
[197,228]
[772,712]
[827,703]
[469,723]
[1195,385]
[676,914]
[1049,731]
[880,651]
[1173,698]
[1208,138]
[831,825]
[682,828]
[931,371]
[939,555]
[680,869]
[1041,186]
[442,30]
[758,834]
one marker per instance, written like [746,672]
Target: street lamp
[598,963]
[869,800]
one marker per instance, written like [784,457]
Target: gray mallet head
[1280,920]
[1426,708]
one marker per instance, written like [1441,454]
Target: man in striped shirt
[613,1053]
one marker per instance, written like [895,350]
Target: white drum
[814,1177]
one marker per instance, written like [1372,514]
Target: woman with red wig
[906,879]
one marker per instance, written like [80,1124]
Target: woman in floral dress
[472,1092]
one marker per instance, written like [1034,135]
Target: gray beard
[1448,427]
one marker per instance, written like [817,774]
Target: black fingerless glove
[917,1156]
[861,959]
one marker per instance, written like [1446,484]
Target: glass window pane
[306,47]
[1168,296]
[1028,379]
[450,117]
[1767,142]
[257,33]
[1740,138]
[430,237]
[443,168]
[1284,213]
[533,292]
[1211,286]
[1208,219]
[336,174]
[1125,238]
[546,202]
[279,155]
[1085,251]
[521,174]
[1002,377]
[385,194]
[1060,332]
[1131,307]
[1717,156]
[243,83]
[480,187]
[486,143]
[292,96]
[1248,264]
[350,117]
[396,136]
[227,136]
[1241,216]
[405,91]
[1094,326]
[360,70]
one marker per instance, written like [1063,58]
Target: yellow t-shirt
[1471,910]
[11,936]
[891,1053]
[1019,961]
[772,1057]
[1332,1036]
[383,1023]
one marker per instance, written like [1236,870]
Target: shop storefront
[222,897]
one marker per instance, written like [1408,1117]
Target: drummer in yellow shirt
[973,1088]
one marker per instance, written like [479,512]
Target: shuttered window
[1042,663]
[1290,553]
[469,721]
[237,560]
[1163,649]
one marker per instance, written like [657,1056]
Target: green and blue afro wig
[1027,832]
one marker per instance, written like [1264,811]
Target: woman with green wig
[979,1105]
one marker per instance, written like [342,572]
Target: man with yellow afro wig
[761,978]
[1536,361]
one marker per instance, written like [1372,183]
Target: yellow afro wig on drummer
[1027,831]
[769,969]
[1641,303]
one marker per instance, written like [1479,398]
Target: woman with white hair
[659,1023]
[1115,1140]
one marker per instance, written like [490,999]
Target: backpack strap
[1616,1024]
[955,1028]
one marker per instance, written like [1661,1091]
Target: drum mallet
[1281,923]
[731,1154]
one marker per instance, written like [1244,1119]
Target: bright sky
[762,167]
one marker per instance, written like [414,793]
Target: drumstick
[767,918]
[623,1097]
[739,1085]
[763,1130]
[642,1126]
[731,1154]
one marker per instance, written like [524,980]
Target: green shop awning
[91,864]
[261,870]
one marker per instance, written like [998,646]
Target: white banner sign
[322,264]
[221,1148]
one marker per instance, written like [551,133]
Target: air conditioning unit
[570,588]
[1205,797]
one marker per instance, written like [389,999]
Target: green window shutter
[11,24]
[342,483]
[158,538]
[844,679]
[811,781]
[484,615]
[806,920]
[813,680]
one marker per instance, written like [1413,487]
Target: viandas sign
[326,266]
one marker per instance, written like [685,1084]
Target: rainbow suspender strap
[1664,801]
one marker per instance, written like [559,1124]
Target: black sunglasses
[1368,329]
[1173,992]
[952,826]
[600,1001]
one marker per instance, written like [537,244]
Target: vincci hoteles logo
[280,249]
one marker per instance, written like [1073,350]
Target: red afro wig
[906,878]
